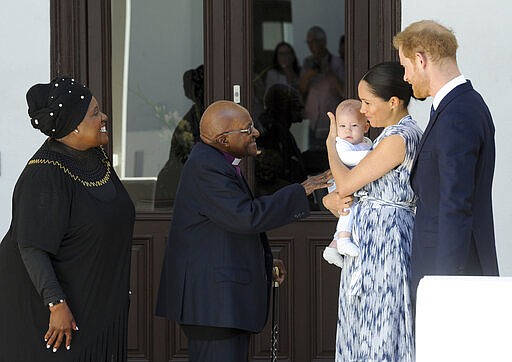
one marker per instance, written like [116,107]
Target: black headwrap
[58,107]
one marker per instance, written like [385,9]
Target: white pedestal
[464,319]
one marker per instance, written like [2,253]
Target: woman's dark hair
[295,64]
[386,80]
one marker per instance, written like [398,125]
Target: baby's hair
[351,106]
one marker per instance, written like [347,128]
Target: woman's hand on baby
[337,204]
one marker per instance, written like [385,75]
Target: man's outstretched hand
[317,182]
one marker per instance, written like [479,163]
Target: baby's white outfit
[350,154]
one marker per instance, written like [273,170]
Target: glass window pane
[158,97]
[299,76]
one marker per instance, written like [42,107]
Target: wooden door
[81,45]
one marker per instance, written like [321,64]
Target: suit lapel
[430,124]
[460,89]
[245,185]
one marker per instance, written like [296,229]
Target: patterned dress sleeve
[411,133]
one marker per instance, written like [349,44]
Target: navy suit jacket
[452,177]
[217,265]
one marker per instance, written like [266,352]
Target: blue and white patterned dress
[374,316]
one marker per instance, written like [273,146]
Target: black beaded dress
[71,205]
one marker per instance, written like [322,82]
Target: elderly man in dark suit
[217,270]
[453,171]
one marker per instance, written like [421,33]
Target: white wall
[25,60]
[484,57]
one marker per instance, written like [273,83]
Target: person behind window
[283,107]
[321,83]
[285,67]
[185,136]
[65,261]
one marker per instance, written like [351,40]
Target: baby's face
[351,127]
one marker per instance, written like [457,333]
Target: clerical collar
[231,159]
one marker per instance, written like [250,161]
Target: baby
[352,146]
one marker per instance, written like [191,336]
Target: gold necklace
[98,183]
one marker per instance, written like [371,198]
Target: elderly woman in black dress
[65,261]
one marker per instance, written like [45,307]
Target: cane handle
[276,274]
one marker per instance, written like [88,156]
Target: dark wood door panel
[309,318]
[147,334]
[140,309]
[324,306]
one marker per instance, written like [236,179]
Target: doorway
[82,44]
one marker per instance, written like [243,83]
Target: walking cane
[275,320]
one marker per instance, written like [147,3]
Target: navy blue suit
[452,177]
[217,266]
